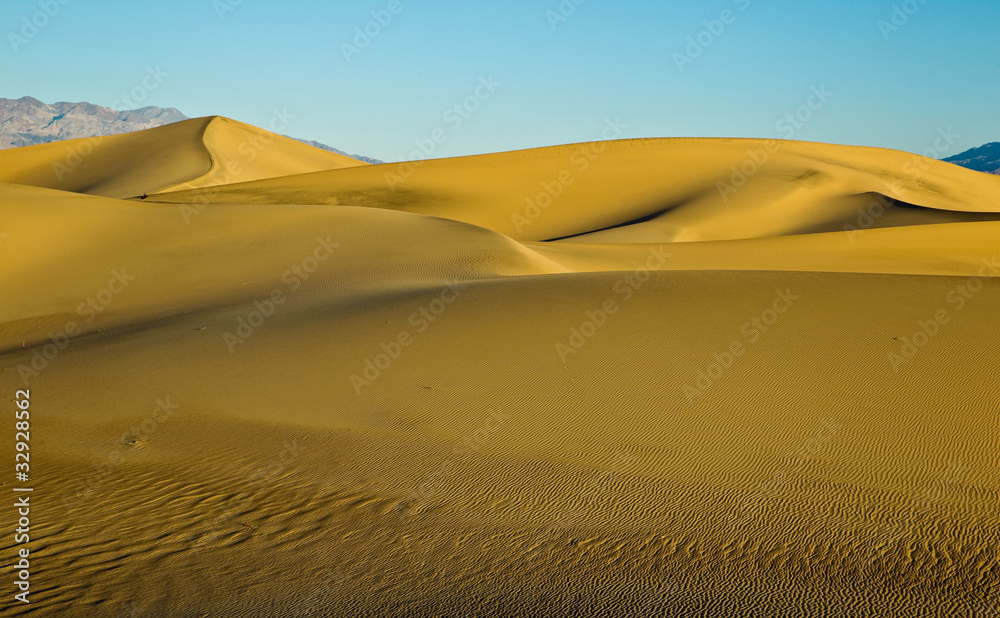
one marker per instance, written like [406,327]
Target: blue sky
[891,73]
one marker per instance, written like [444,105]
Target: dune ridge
[189,154]
[669,190]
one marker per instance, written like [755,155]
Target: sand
[636,378]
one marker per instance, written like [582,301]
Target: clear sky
[889,73]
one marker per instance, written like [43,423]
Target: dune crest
[662,190]
[190,154]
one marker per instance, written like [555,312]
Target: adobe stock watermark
[595,319]
[293,278]
[461,451]
[225,7]
[752,331]
[958,297]
[788,125]
[81,149]
[579,162]
[914,168]
[421,320]
[756,159]
[135,436]
[562,13]
[943,143]
[714,29]
[140,92]
[35,23]
[454,119]
[43,355]
[900,16]
[248,150]
[371,30]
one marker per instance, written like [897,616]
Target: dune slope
[195,153]
[652,190]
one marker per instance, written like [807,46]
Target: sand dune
[334,393]
[652,190]
[185,155]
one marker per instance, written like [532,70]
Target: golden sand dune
[653,190]
[319,395]
[185,155]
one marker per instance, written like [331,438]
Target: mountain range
[982,159]
[28,121]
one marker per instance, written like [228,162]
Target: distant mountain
[341,152]
[982,159]
[27,121]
